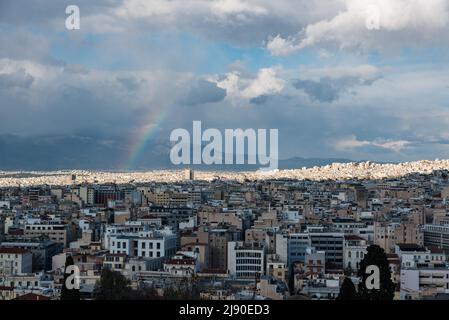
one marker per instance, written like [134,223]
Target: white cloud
[239,87]
[279,46]
[177,9]
[267,82]
[364,71]
[351,142]
[225,7]
[412,23]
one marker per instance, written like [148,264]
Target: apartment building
[56,232]
[158,243]
[332,244]
[419,283]
[354,251]
[15,261]
[245,261]
[436,235]
[387,235]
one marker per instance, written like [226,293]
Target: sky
[353,79]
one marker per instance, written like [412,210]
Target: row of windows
[150,254]
[245,274]
[248,268]
[357,254]
[248,254]
[249,261]
[27,283]
[3,256]
[8,264]
[120,245]
[143,245]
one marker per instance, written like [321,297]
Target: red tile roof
[194,244]
[13,250]
[180,261]
[32,296]
[434,249]
[3,288]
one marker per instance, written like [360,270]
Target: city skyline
[135,70]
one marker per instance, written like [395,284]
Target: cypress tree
[347,290]
[69,294]
[375,257]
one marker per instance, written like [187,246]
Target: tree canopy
[375,257]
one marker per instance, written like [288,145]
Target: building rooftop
[13,251]
[411,247]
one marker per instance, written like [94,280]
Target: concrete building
[314,262]
[354,251]
[182,265]
[218,241]
[15,261]
[56,232]
[418,283]
[152,244]
[114,262]
[245,261]
[414,256]
[332,244]
[436,235]
[42,249]
[387,235]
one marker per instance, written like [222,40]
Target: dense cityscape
[224,158]
[224,239]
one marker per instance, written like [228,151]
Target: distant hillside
[298,163]
[77,152]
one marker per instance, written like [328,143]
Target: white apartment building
[114,230]
[147,244]
[354,251]
[347,226]
[413,256]
[15,261]
[419,283]
[182,265]
[245,261]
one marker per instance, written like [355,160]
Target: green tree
[347,290]
[376,257]
[113,286]
[66,293]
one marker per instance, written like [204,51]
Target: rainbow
[143,136]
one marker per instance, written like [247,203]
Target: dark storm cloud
[259,100]
[330,89]
[204,91]
[16,79]
[130,83]
[76,69]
